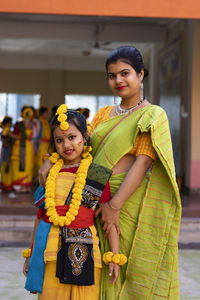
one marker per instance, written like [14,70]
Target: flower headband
[62,117]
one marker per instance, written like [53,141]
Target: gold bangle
[115,208]
[26,253]
[119,259]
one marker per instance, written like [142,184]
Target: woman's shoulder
[102,115]
[152,114]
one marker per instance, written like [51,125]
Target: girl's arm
[113,239]
[110,210]
[26,263]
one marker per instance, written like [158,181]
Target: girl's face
[123,80]
[69,144]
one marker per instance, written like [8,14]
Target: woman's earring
[142,90]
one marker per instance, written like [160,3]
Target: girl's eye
[71,137]
[58,141]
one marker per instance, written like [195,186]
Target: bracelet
[115,208]
[117,258]
[54,157]
[26,253]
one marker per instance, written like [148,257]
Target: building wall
[53,85]
[195,109]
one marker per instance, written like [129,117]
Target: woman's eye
[111,76]
[124,73]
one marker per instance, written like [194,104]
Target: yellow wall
[53,85]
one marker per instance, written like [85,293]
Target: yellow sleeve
[145,146]
[102,115]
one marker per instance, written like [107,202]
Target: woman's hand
[43,172]
[114,272]
[109,217]
[25,267]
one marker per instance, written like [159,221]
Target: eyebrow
[119,71]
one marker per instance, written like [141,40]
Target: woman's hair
[75,118]
[42,110]
[129,55]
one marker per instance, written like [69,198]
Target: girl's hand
[109,217]
[113,272]
[43,172]
[25,267]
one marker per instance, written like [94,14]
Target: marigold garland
[80,181]
[62,117]
[26,253]
[28,113]
[117,258]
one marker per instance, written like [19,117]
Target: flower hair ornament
[62,117]
[27,113]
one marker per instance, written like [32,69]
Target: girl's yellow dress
[52,288]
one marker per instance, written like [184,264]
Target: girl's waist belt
[84,219]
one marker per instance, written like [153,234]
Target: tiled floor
[12,280]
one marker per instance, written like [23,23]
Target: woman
[22,152]
[6,175]
[133,140]
[43,136]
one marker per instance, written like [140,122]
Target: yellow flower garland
[80,181]
[117,258]
[62,117]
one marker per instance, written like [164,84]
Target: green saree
[150,218]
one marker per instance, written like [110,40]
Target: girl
[66,260]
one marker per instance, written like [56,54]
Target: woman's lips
[121,87]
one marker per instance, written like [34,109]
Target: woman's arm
[113,239]
[26,263]
[110,211]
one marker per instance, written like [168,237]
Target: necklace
[50,187]
[71,166]
[123,111]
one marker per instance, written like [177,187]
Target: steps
[16,230]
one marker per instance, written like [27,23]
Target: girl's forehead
[118,65]
[72,129]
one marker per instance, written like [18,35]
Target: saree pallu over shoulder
[152,270]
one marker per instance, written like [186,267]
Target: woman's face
[124,81]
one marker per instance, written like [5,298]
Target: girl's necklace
[71,166]
[123,111]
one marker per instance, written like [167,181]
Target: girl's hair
[75,118]
[43,109]
[6,120]
[129,55]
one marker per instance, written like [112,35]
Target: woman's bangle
[54,157]
[26,253]
[117,258]
[115,208]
